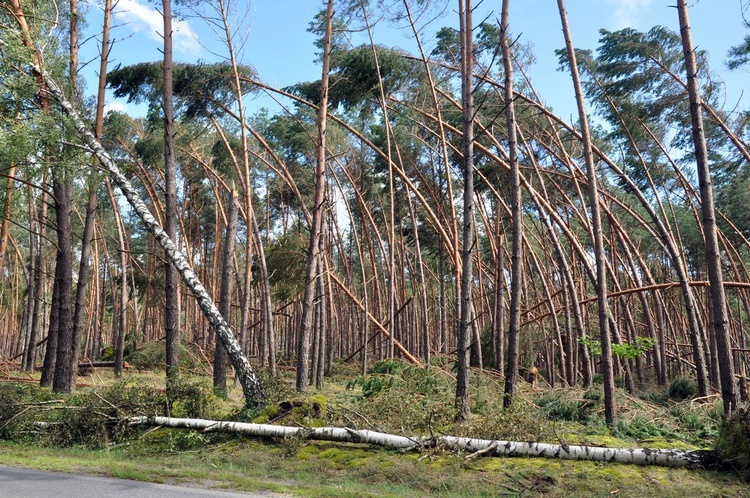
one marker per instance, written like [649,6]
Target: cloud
[142,18]
[627,13]
[116,106]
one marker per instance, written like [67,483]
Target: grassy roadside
[323,470]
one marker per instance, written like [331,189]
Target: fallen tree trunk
[690,459]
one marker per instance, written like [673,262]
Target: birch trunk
[487,447]
[248,380]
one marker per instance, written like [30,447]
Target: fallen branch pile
[485,447]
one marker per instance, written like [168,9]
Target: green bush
[640,428]
[99,417]
[152,356]
[191,399]
[20,405]
[683,388]
[558,405]
[733,443]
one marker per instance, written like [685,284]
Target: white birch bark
[249,381]
[485,447]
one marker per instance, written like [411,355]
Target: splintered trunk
[511,368]
[719,324]
[610,411]
[313,251]
[465,309]
[225,294]
[171,290]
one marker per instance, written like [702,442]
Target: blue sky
[278,46]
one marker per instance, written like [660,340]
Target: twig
[481,452]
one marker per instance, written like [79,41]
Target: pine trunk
[719,324]
[313,251]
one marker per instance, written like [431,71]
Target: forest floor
[393,398]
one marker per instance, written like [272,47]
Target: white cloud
[627,13]
[116,106]
[142,18]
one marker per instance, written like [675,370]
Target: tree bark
[40,277]
[63,190]
[313,251]
[610,408]
[225,294]
[467,251]
[487,447]
[171,283]
[511,368]
[84,270]
[719,324]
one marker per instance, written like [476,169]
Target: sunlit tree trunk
[511,368]
[171,289]
[313,252]
[465,309]
[610,409]
[720,322]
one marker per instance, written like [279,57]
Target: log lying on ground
[691,459]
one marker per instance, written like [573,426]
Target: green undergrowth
[88,431]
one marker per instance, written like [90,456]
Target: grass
[322,469]
[418,402]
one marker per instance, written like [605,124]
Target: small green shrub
[152,356]
[99,417]
[558,405]
[683,388]
[520,422]
[191,399]
[640,428]
[20,404]
[733,443]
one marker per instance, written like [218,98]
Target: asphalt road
[26,483]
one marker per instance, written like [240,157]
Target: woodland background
[437,212]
